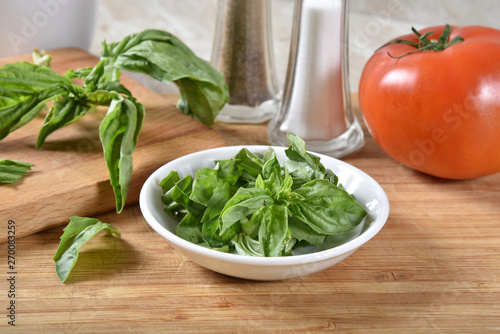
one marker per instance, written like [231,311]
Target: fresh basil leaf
[302,231]
[286,182]
[64,112]
[339,239]
[116,48]
[221,195]
[247,246]
[14,116]
[334,179]
[251,226]
[29,78]
[249,164]
[169,181]
[6,101]
[182,189]
[260,183]
[273,229]
[279,187]
[76,234]
[21,112]
[224,249]
[213,236]
[301,172]
[243,204]
[118,132]
[172,208]
[271,166]
[268,154]
[200,100]
[212,233]
[288,244]
[205,181]
[303,166]
[297,152]
[326,208]
[12,170]
[161,55]
[181,193]
[70,107]
[25,89]
[228,171]
[190,229]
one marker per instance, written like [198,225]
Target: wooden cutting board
[70,177]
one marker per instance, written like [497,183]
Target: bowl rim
[345,248]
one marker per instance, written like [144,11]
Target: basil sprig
[25,89]
[253,206]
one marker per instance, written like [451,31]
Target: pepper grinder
[243,52]
[316,102]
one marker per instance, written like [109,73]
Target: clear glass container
[243,52]
[317,101]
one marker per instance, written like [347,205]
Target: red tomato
[437,111]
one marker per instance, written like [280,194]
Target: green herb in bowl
[252,205]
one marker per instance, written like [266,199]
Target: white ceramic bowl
[366,191]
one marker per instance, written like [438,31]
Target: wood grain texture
[433,268]
[70,176]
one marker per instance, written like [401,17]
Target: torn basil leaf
[76,234]
[12,170]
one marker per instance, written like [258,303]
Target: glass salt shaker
[243,52]
[316,101]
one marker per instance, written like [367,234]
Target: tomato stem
[425,44]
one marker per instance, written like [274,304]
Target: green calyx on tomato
[424,43]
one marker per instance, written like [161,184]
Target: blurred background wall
[372,23]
